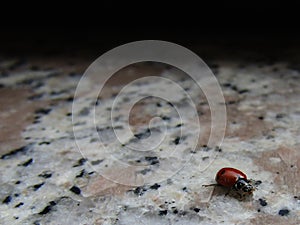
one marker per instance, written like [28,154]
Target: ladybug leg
[228,192]
[238,194]
[241,197]
[209,185]
[251,181]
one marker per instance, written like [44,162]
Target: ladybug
[234,179]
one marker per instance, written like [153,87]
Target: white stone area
[154,174]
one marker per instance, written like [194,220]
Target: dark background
[52,28]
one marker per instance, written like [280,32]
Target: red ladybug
[235,179]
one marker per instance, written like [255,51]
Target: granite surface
[46,179]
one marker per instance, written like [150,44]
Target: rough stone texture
[41,163]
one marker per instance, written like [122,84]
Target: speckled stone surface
[46,179]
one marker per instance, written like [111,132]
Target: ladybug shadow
[229,193]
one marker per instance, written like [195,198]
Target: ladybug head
[244,186]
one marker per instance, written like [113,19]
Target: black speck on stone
[80,162]
[163,212]
[15,152]
[205,148]
[36,121]
[280,116]
[38,186]
[96,162]
[98,101]
[218,149]
[231,102]
[121,128]
[18,182]
[165,118]
[193,151]
[283,212]
[103,129]
[54,93]
[45,174]
[176,140]
[179,125]
[84,112]
[37,117]
[82,172]
[72,74]
[182,213]
[158,104]
[69,114]
[143,135]
[48,208]
[260,117]
[226,85]
[28,81]
[69,99]
[196,210]
[262,202]
[243,91]
[257,182]
[155,186]
[184,189]
[19,204]
[171,104]
[145,171]
[26,163]
[44,143]
[75,190]
[53,203]
[43,111]
[139,191]
[233,87]
[7,200]
[38,85]
[35,97]
[152,160]
[169,181]
[126,99]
